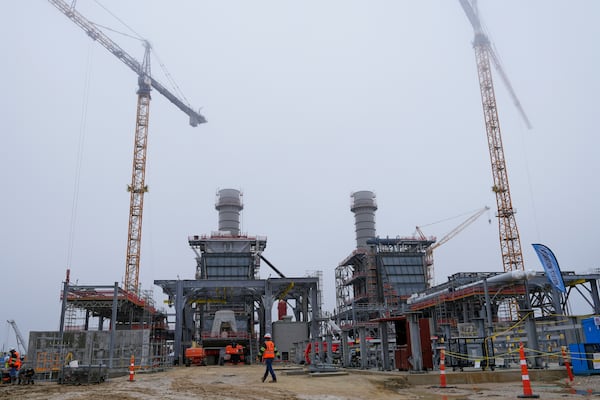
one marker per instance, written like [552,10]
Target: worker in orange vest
[268,351]
[14,363]
[235,352]
[239,351]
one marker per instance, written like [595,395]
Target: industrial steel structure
[227,301]
[386,316]
[388,313]
[385,305]
[101,325]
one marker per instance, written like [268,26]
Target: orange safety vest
[269,349]
[15,361]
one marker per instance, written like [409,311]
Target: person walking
[268,351]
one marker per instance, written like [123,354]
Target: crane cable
[79,157]
[138,36]
[450,218]
[174,86]
[530,186]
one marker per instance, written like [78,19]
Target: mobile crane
[21,344]
[447,237]
[146,82]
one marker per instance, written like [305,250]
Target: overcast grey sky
[306,102]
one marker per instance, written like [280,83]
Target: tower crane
[447,237]
[145,82]
[510,243]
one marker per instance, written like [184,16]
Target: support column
[179,303]
[63,309]
[316,317]
[113,326]
[86,327]
[385,351]
[268,305]
[329,340]
[362,335]
[489,328]
[557,301]
[415,342]
[595,297]
[532,339]
[345,350]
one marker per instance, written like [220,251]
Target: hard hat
[267,336]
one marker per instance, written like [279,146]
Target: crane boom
[510,242]
[99,36]
[459,228]
[444,239]
[137,187]
[20,341]
[472,14]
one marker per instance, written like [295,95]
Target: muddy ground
[244,382]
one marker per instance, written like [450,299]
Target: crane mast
[510,242]
[138,179]
[137,188]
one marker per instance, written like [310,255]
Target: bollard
[567,363]
[131,368]
[527,392]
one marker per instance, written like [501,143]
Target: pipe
[505,277]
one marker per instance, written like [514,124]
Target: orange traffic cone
[527,393]
[442,368]
[443,384]
[567,363]
[131,368]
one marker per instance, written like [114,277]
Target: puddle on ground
[588,392]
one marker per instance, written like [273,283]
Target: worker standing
[268,351]
[239,351]
[14,363]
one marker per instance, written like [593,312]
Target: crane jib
[97,35]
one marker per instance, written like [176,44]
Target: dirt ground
[243,382]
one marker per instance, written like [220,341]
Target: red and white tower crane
[137,187]
[510,243]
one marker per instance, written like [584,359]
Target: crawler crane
[447,237]
[21,344]
[137,188]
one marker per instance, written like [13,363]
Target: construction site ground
[235,382]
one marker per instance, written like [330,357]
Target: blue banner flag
[550,266]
